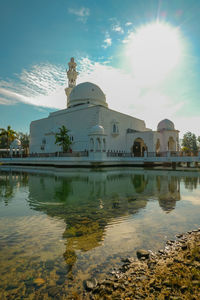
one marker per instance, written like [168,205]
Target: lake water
[59,227]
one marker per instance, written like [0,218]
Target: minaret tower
[72,76]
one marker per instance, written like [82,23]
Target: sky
[144,54]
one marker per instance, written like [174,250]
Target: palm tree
[24,139]
[7,136]
[62,138]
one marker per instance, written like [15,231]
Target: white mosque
[96,128]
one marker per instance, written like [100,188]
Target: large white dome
[165,125]
[87,93]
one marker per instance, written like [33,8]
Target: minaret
[72,76]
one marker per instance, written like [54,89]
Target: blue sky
[150,80]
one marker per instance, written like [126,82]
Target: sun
[153,51]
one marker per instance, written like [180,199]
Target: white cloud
[4,101]
[39,86]
[10,97]
[128,23]
[107,41]
[82,13]
[44,85]
[125,41]
[117,28]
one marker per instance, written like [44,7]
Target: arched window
[98,144]
[91,144]
[114,128]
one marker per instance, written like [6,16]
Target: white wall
[121,141]
[79,120]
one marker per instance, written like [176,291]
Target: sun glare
[153,51]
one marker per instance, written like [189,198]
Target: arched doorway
[139,147]
[171,144]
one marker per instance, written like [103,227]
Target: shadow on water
[91,202]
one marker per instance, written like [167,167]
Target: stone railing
[54,154]
[153,154]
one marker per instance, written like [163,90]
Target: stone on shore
[142,254]
[90,284]
[173,273]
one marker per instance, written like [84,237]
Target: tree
[189,142]
[24,139]
[7,136]
[62,138]
[198,140]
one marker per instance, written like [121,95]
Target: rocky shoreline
[172,273]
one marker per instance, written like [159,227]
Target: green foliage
[6,190]
[62,138]
[24,139]
[189,142]
[198,140]
[7,136]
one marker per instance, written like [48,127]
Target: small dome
[87,93]
[97,129]
[16,143]
[165,125]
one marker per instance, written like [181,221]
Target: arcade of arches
[98,144]
[139,146]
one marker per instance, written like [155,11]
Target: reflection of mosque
[88,201]
[168,189]
[191,183]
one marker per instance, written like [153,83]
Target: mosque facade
[94,127]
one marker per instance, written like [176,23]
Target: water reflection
[92,203]
[87,202]
[191,183]
[168,192]
[9,182]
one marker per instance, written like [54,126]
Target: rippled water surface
[59,227]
